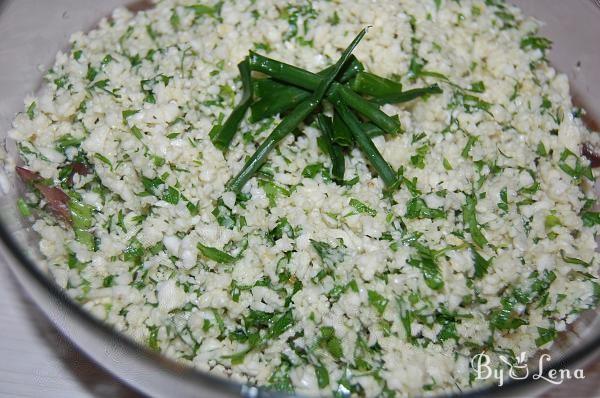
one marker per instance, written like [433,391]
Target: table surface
[36,360]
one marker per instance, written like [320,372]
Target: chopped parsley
[417,208]
[470,221]
[362,208]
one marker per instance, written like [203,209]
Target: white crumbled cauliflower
[299,283]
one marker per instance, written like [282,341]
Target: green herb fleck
[104,160]
[478,87]
[153,338]
[216,254]
[108,281]
[331,342]
[577,170]
[272,190]
[418,160]
[23,207]
[417,208]
[590,218]
[467,149]
[377,301]
[536,43]
[503,204]
[541,149]
[280,379]
[425,260]
[470,221]
[545,336]
[447,165]
[573,260]
[322,375]
[362,208]
[31,110]
[551,221]
[506,318]
[481,264]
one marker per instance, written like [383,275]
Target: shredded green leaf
[216,254]
[362,208]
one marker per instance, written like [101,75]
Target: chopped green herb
[545,336]
[82,219]
[506,318]
[530,190]
[329,254]
[282,228]
[551,221]
[128,113]
[61,81]
[467,149]
[541,149]
[216,254]
[312,170]
[322,374]
[470,102]
[503,204]
[106,60]
[481,264]
[175,20]
[157,187]
[575,168]
[425,260]
[280,380]
[31,110]
[536,43]
[377,301]
[91,73]
[447,165]
[417,208]
[108,281]
[448,330]
[272,190]
[590,218]
[362,208]
[224,215]
[331,342]
[202,10]
[104,160]
[470,221]
[171,195]
[418,160]
[334,20]
[67,141]
[478,87]
[137,133]
[23,207]
[153,338]
[134,252]
[573,260]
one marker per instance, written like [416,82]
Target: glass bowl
[31,32]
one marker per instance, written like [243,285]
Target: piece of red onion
[77,168]
[27,176]
[589,152]
[57,200]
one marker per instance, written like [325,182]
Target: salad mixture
[271,192]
